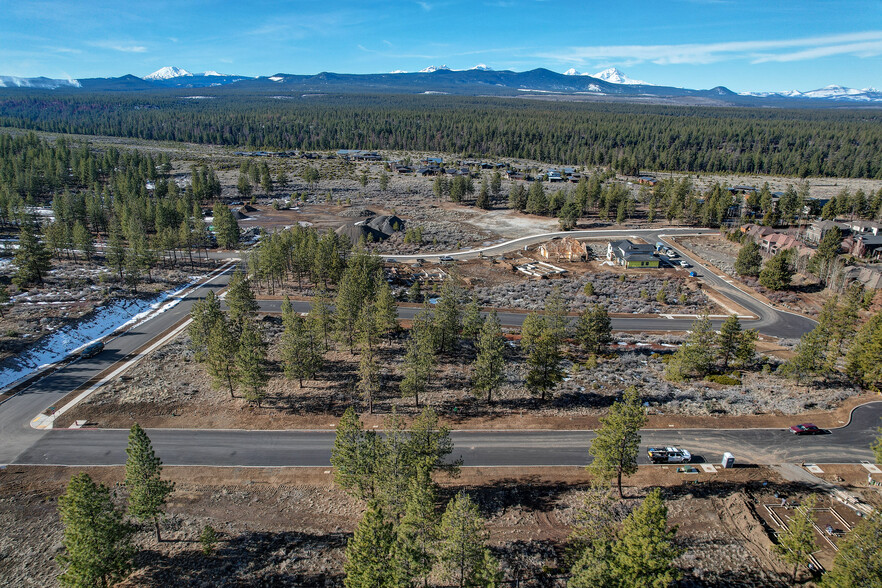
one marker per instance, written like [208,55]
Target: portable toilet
[728,460]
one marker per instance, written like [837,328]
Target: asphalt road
[240,448]
[19,443]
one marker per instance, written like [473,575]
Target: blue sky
[742,44]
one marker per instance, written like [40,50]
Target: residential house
[867,246]
[818,229]
[864,227]
[564,249]
[631,255]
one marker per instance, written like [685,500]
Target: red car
[806,429]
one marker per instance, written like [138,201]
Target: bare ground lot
[170,389]
[289,527]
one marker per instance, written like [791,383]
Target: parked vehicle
[668,455]
[445,259]
[684,264]
[92,350]
[806,429]
[693,275]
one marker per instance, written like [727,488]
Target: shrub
[724,380]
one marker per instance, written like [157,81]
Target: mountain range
[610,84]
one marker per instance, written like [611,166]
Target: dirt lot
[289,527]
[170,389]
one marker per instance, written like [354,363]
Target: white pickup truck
[668,455]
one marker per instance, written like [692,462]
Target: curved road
[19,443]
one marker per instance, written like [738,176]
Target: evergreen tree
[147,491]
[221,351]
[729,338]
[300,351]
[354,456]
[542,345]
[864,359]
[696,354]
[615,448]
[226,227]
[250,362]
[448,315]
[4,297]
[82,238]
[537,201]
[472,321]
[809,358]
[369,562]
[797,543]
[859,559]
[462,544]
[241,301]
[594,329]
[204,314]
[31,257]
[517,197]
[419,358]
[368,384]
[749,261]
[320,319]
[385,311]
[483,200]
[384,181]
[490,360]
[115,253]
[826,253]
[417,532]
[97,543]
[645,552]
[777,273]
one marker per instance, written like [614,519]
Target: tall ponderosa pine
[797,542]
[147,491]
[250,362]
[354,456]
[300,346]
[32,258]
[419,359]
[448,315]
[97,542]
[241,301]
[205,314]
[543,347]
[417,532]
[645,552]
[220,355]
[594,329]
[749,261]
[864,359]
[777,273]
[695,356]
[859,559]
[462,542]
[226,227]
[489,362]
[472,321]
[615,448]
[369,560]
[320,319]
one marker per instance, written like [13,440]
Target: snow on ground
[104,321]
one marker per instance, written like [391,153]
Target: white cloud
[123,47]
[863,44]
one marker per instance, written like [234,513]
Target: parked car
[668,455]
[446,259]
[806,429]
[693,275]
[684,264]
[92,350]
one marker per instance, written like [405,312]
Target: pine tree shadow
[249,559]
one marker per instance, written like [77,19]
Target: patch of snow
[434,92]
[211,72]
[397,71]
[276,78]
[572,72]
[481,67]
[434,68]
[104,321]
[197,97]
[42,83]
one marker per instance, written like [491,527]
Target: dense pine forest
[628,137]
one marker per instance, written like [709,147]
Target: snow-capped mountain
[615,76]
[434,68]
[213,73]
[481,67]
[611,75]
[167,73]
[831,92]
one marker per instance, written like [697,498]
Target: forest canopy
[627,137]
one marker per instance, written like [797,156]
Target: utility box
[728,460]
